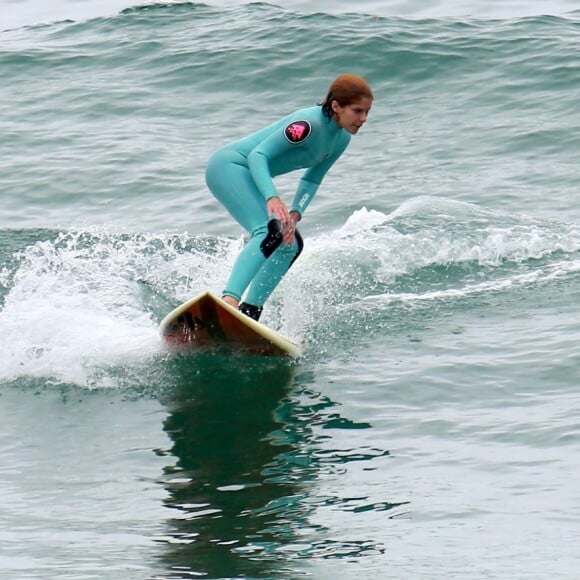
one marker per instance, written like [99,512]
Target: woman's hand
[277,208]
[288,220]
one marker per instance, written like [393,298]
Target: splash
[360,279]
[83,307]
[87,302]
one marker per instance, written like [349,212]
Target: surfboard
[208,323]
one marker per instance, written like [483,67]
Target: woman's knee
[271,235]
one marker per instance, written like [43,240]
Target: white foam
[76,307]
[88,301]
[489,250]
[435,231]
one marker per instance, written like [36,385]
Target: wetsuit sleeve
[312,179]
[275,145]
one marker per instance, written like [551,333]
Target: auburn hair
[345,90]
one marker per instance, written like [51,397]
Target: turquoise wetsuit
[240,176]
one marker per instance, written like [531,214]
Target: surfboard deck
[207,323]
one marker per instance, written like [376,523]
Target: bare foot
[231,301]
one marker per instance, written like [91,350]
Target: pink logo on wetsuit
[297,131]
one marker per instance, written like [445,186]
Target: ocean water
[431,428]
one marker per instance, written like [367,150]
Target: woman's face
[352,117]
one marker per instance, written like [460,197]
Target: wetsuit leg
[232,184]
[273,271]
[260,250]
